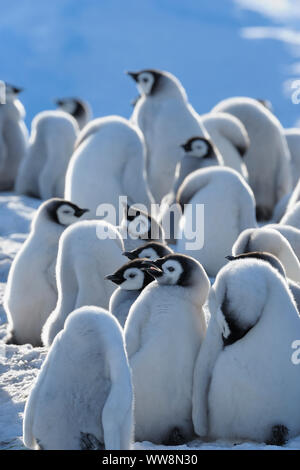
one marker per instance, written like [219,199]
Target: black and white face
[198,147]
[67,214]
[11,92]
[145,82]
[68,105]
[165,271]
[131,276]
[151,251]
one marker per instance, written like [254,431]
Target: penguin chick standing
[198,153]
[82,398]
[31,292]
[268,153]
[271,241]
[42,173]
[246,385]
[79,109]
[229,208]
[13,137]
[85,255]
[131,279]
[152,251]
[230,137]
[166,120]
[163,334]
[108,162]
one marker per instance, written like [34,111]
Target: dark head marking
[188,146]
[159,248]
[54,204]
[79,107]
[158,268]
[118,277]
[236,331]
[264,256]
[242,150]
[156,78]
[131,213]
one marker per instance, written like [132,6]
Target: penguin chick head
[73,106]
[151,251]
[62,212]
[11,91]
[262,255]
[140,225]
[146,80]
[177,269]
[131,276]
[239,295]
[198,147]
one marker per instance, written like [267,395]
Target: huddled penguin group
[161,272]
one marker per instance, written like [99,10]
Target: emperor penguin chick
[163,333]
[167,120]
[152,251]
[13,137]
[109,162]
[268,153]
[273,261]
[79,109]
[198,153]
[230,137]
[85,255]
[82,398]
[246,385]
[31,292]
[229,208]
[271,241]
[131,278]
[42,173]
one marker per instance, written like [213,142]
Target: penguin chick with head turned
[13,135]
[268,152]
[165,327]
[85,255]
[131,278]
[246,386]
[198,153]
[167,120]
[82,398]
[79,109]
[108,162]
[272,241]
[152,251]
[42,172]
[276,264]
[228,203]
[230,137]
[31,292]
[139,227]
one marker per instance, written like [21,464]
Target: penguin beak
[151,268]
[129,255]
[58,102]
[80,212]
[183,146]
[133,75]
[114,278]
[230,258]
[17,90]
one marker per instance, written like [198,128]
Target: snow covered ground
[19,365]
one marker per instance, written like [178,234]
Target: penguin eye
[171,269]
[66,212]
[131,275]
[145,80]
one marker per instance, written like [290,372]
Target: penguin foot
[279,435]
[10,338]
[175,438]
[263,213]
[90,442]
